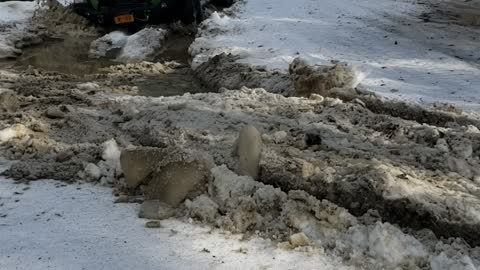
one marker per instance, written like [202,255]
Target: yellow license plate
[124,19]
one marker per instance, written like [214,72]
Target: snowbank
[13,18]
[402,57]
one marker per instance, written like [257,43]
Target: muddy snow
[293,167]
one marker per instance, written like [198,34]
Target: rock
[249,148]
[172,183]
[299,240]
[64,155]
[8,100]
[153,224]
[54,113]
[138,163]
[285,245]
[170,179]
[155,209]
[39,126]
[313,138]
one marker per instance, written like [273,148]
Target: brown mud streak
[411,112]
[361,199]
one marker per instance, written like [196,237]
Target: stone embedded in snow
[155,209]
[8,100]
[169,174]
[54,112]
[299,240]
[139,163]
[108,46]
[153,224]
[249,149]
[173,182]
[143,45]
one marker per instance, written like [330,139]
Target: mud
[223,71]
[421,176]
[67,55]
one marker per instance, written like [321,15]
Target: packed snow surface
[401,55]
[51,225]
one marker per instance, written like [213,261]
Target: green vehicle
[127,12]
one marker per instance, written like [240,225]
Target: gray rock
[139,163]
[249,148]
[8,100]
[153,224]
[155,209]
[173,182]
[54,112]
[169,174]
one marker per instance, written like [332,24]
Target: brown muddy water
[70,56]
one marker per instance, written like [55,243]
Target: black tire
[222,3]
[191,11]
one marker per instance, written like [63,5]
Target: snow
[77,226]
[13,17]
[400,55]
[12,132]
[142,45]
[111,151]
[102,46]
[16,11]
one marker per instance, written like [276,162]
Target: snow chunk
[108,44]
[92,172]
[15,131]
[110,165]
[140,46]
[215,18]
[442,262]
[111,151]
[391,244]
[143,44]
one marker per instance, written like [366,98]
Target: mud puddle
[70,56]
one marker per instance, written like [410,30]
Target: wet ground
[70,56]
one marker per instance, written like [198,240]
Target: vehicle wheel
[191,12]
[222,3]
